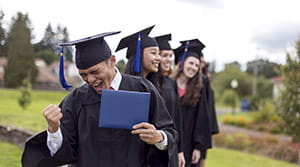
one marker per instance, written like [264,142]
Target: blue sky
[232,30]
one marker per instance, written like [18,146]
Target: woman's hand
[195,156]
[181,160]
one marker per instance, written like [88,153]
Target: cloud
[276,37]
[208,3]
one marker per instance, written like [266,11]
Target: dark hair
[205,69]
[155,77]
[129,68]
[193,87]
[157,80]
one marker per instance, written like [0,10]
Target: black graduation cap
[135,43]
[188,48]
[163,43]
[89,52]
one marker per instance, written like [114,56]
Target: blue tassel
[137,61]
[61,71]
[186,48]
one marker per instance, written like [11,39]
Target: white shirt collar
[115,84]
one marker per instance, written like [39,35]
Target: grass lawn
[10,155]
[12,114]
[219,157]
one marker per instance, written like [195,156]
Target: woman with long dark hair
[143,60]
[214,127]
[169,89]
[194,107]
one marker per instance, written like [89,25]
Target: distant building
[48,77]
[277,86]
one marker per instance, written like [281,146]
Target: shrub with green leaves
[25,98]
[267,145]
[230,98]
[266,113]
[289,101]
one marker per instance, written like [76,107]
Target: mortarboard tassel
[186,48]
[137,61]
[61,71]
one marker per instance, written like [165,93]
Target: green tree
[48,48]
[45,49]
[222,81]
[2,36]
[47,55]
[289,101]
[48,40]
[62,35]
[233,64]
[20,53]
[265,68]
[68,50]
[121,65]
[230,98]
[25,98]
[264,88]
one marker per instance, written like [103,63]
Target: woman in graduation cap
[214,127]
[194,107]
[73,135]
[143,60]
[169,87]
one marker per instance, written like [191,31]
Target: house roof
[47,74]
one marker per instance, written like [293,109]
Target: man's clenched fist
[52,114]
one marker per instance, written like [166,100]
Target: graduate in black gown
[169,89]
[194,105]
[143,60]
[214,127]
[73,136]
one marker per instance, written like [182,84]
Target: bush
[267,145]
[254,102]
[227,120]
[230,98]
[241,121]
[238,141]
[267,114]
[236,121]
[25,98]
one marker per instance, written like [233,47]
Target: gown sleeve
[214,127]
[202,134]
[36,152]
[161,119]
[178,120]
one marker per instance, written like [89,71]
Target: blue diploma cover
[123,109]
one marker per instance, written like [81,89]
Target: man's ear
[112,60]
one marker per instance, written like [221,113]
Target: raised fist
[52,114]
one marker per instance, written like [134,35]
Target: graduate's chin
[98,90]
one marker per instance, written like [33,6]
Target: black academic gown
[196,131]
[172,101]
[214,127]
[87,145]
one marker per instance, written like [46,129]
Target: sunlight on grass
[12,114]
[10,155]
[229,158]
